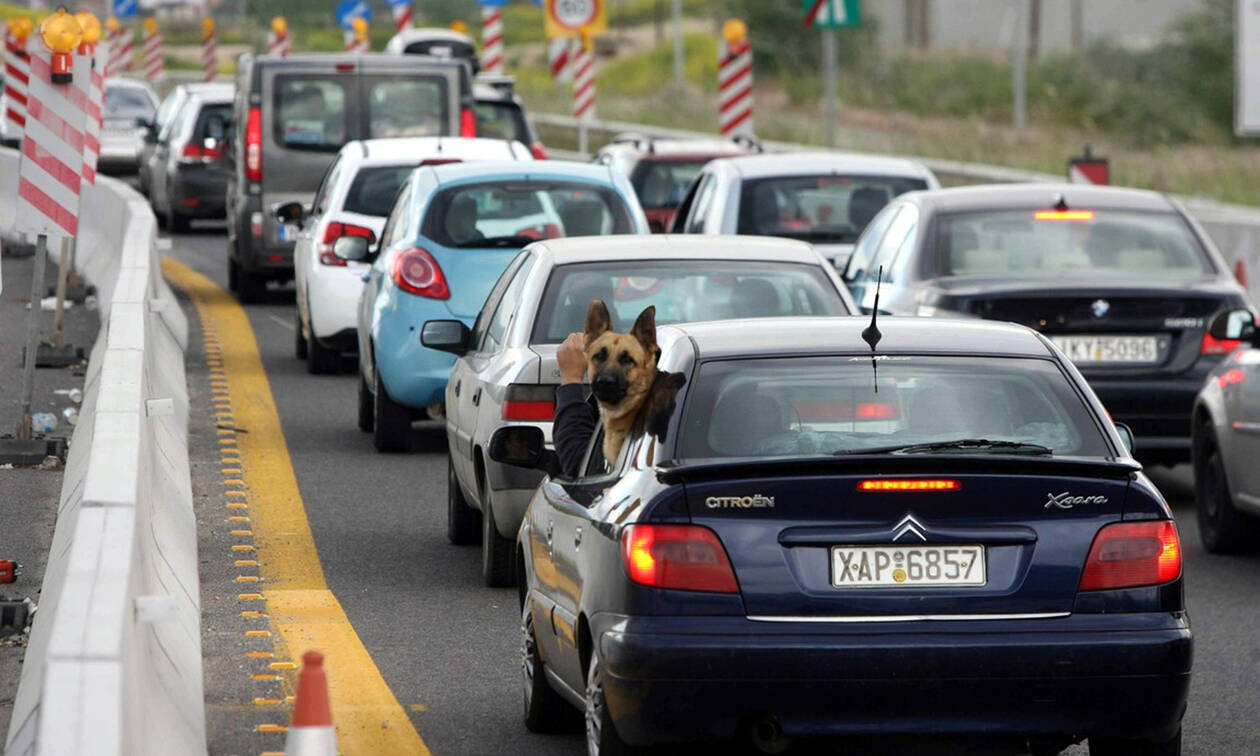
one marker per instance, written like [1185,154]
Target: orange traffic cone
[311,731]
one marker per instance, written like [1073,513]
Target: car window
[391,234]
[901,235]
[1050,243]
[682,291]
[310,112]
[407,106]
[212,121]
[514,213]
[700,206]
[823,405]
[182,121]
[373,189]
[662,184]
[869,241]
[508,305]
[492,301]
[829,208]
[319,205]
[501,120]
[127,99]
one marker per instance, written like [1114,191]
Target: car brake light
[538,151]
[680,557]
[439,161]
[467,123]
[1132,554]
[876,411]
[913,484]
[416,272]
[196,153]
[1213,345]
[1063,215]
[344,67]
[334,231]
[524,401]
[253,145]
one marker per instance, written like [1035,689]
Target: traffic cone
[311,731]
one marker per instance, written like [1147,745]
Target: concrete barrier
[113,666]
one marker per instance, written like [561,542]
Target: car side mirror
[446,336]
[290,212]
[1126,437]
[352,248]
[524,446]
[1234,325]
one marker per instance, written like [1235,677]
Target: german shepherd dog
[633,396]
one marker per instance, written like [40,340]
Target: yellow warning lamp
[207,29]
[587,43]
[360,26]
[111,25]
[459,26]
[735,32]
[150,25]
[91,27]
[279,26]
[20,27]
[61,35]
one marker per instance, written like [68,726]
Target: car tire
[1127,747]
[601,735]
[391,422]
[320,360]
[365,407]
[498,567]
[299,339]
[1222,528]
[545,710]
[462,525]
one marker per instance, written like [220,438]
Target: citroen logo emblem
[1100,308]
[908,526]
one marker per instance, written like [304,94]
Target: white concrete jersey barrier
[1234,229]
[113,667]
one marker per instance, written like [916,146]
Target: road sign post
[1089,169]
[584,91]
[829,15]
[402,13]
[154,65]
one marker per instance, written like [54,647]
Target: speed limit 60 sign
[567,18]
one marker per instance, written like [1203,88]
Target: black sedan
[946,535]
[1122,280]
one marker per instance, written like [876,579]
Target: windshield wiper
[515,240]
[962,444]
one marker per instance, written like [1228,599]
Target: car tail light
[439,161]
[416,272]
[1063,215]
[680,557]
[912,484]
[525,401]
[538,151]
[344,67]
[467,123]
[253,145]
[1132,554]
[196,153]
[334,231]
[1213,345]
[876,411]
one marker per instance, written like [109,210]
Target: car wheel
[601,736]
[496,551]
[391,422]
[545,710]
[1126,747]
[365,407]
[320,359]
[462,527]
[299,340]
[1222,528]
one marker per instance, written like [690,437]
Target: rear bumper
[689,678]
[204,186]
[1156,409]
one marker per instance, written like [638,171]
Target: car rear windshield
[311,112]
[373,190]
[213,120]
[802,406]
[515,213]
[128,99]
[502,120]
[320,112]
[662,184]
[406,106]
[829,208]
[682,290]
[1052,243]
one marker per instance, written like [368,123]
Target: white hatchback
[353,200]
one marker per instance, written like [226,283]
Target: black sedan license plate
[906,566]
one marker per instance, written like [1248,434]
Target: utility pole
[1078,26]
[678,42]
[1019,64]
[1034,29]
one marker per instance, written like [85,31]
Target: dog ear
[645,329]
[597,320]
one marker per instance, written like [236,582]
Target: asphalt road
[447,646]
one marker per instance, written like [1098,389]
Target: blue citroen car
[451,232]
[944,535]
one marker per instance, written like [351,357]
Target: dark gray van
[293,114]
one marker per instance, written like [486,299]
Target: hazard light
[913,484]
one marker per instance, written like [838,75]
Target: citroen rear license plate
[906,566]
[1131,349]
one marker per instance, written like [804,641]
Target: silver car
[825,198]
[1226,440]
[158,130]
[129,105]
[507,373]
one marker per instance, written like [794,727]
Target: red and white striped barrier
[491,39]
[93,118]
[357,42]
[154,53]
[50,175]
[122,51]
[735,87]
[560,58]
[584,84]
[402,16]
[17,72]
[277,44]
[209,50]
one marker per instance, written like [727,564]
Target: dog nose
[604,380]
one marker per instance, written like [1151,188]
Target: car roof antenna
[871,334]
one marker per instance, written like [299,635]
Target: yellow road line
[302,610]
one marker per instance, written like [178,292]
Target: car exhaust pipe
[767,735]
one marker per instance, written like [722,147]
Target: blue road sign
[349,10]
[123,8]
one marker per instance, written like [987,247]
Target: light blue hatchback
[452,230]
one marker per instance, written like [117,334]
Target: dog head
[621,366]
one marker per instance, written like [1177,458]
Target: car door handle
[458,383]
[577,538]
[476,398]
